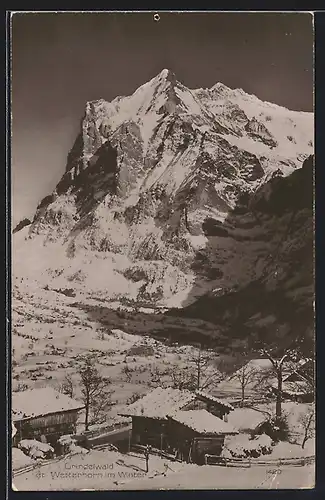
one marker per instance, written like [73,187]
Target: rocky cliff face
[145,209]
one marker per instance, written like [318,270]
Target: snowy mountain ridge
[145,174]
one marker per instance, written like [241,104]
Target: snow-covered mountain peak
[147,170]
[166,74]
[172,192]
[221,89]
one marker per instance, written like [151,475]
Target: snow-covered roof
[213,399]
[203,422]
[299,373]
[262,374]
[38,402]
[264,364]
[246,419]
[159,402]
[297,387]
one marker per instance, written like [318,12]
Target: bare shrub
[308,422]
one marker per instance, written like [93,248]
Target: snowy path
[111,471]
[212,477]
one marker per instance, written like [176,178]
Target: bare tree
[246,375]
[278,369]
[94,390]
[183,379]
[308,422]
[67,386]
[291,356]
[204,373]
[127,372]
[201,361]
[203,370]
[210,368]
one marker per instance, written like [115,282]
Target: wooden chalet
[151,414]
[44,414]
[298,384]
[195,433]
[295,388]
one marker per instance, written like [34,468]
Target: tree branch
[282,360]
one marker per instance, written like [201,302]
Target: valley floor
[49,332]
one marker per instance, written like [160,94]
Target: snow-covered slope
[142,178]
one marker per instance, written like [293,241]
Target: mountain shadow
[267,296]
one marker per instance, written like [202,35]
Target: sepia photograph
[162,250]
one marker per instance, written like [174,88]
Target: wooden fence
[251,462]
[102,430]
[156,451]
[37,465]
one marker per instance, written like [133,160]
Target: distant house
[44,414]
[231,386]
[298,383]
[151,414]
[259,385]
[295,388]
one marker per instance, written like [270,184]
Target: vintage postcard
[162,325]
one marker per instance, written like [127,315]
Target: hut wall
[149,431]
[180,440]
[190,445]
[207,445]
[51,426]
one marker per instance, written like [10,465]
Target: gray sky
[60,61]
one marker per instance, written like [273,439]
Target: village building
[152,422]
[295,388]
[262,381]
[44,414]
[196,433]
[298,383]
[231,387]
